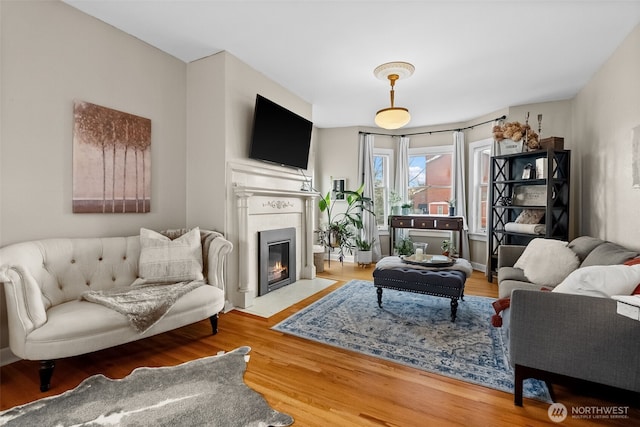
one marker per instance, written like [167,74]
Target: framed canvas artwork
[111,160]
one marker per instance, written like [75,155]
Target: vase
[364,257]
[452,210]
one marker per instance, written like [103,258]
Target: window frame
[387,153]
[475,171]
[434,150]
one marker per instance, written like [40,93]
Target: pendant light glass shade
[393,117]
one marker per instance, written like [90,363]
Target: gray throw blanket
[395,262]
[143,305]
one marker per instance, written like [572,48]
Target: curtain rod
[437,131]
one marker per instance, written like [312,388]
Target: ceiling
[471,57]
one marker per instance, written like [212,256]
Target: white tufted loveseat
[44,279]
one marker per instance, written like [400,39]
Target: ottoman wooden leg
[454,309]
[379,291]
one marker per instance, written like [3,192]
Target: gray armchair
[554,336]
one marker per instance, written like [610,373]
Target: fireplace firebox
[276,259]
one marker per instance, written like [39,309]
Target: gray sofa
[558,337]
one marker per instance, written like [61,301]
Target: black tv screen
[279,136]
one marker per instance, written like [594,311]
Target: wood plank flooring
[317,384]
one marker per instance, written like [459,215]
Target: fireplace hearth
[276,259]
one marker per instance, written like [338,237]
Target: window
[382,161]
[479,159]
[430,179]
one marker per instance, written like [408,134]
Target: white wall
[52,54]
[605,111]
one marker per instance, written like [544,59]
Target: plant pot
[452,210]
[364,257]
[406,211]
[396,210]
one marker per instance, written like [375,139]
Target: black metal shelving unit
[507,180]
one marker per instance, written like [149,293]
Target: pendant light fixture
[393,117]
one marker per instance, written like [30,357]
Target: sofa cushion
[511,273]
[601,280]
[547,262]
[583,245]
[166,260]
[608,253]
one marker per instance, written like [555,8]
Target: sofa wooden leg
[518,381]
[214,324]
[379,292]
[551,393]
[46,372]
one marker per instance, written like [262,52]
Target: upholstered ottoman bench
[446,282]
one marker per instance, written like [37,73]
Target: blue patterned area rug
[414,330]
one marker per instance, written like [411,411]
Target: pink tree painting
[111,160]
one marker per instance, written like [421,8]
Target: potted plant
[394,201]
[406,208]
[340,228]
[448,249]
[404,246]
[364,256]
[452,207]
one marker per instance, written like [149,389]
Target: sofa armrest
[509,254]
[25,307]
[575,335]
[219,248]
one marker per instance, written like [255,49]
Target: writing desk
[425,222]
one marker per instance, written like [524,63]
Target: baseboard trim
[479,267]
[7,357]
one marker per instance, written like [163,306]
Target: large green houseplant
[342,227]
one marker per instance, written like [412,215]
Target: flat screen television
[279,136]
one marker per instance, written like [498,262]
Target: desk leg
[392,234]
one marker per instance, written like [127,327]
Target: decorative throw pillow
[166,260]
[530,216]
[583,245]
[547,262]
[634,261]
[608,253]
[601,280]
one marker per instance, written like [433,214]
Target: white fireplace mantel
[266,199]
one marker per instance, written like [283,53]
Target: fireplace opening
[276,259]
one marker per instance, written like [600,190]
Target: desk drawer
[449,224]
[400,222]
[424,223]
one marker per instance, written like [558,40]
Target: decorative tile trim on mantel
[278,204]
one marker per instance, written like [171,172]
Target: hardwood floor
[317,384]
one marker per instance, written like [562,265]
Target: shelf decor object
[529,195]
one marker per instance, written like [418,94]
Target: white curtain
[366,172]
[459,188]
[401,183]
